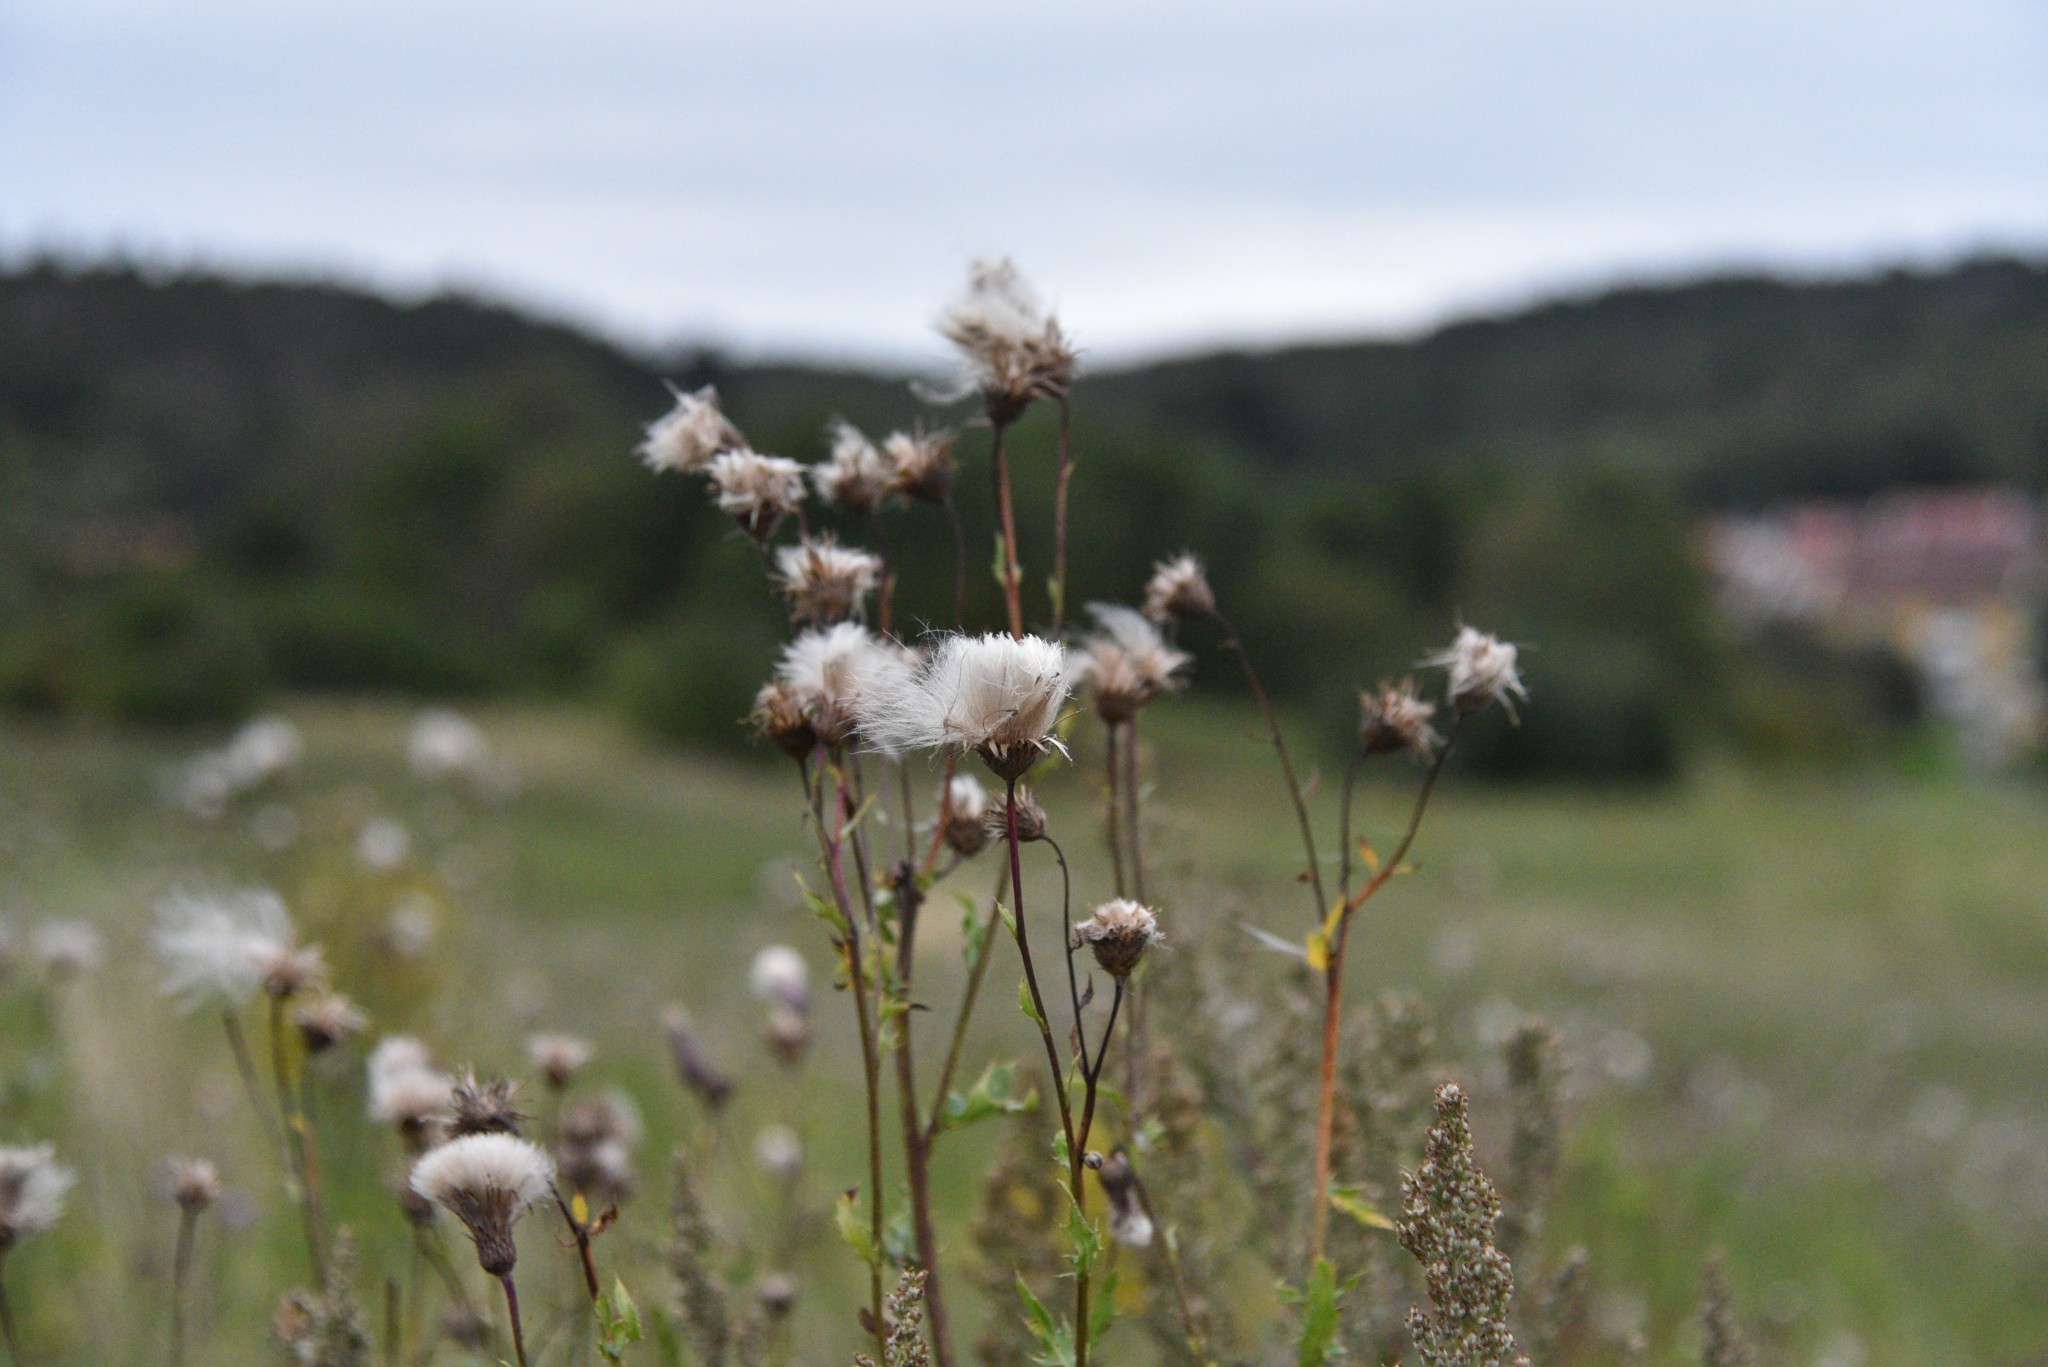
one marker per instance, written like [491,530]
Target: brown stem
[8,1335]
[581,1233]
[295,1128]
[959,564]
[975,973]
[1052,1063]
[181,1265]
[245,1068]
[1235,645]
[1132,832]
[1059,521]
[1333,995]
[1013,574]
[885,597]
[512,1309]
[917,1145]
[1115,823]
[870,1064]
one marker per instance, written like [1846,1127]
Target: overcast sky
[812,175]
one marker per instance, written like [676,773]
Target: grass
[1804,1015]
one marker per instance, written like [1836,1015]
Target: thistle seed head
[759,491]
[1482,672]
[855,477]
[558,1058]
[921,464]
[194,1183]
[835,671]
[326,1020]
[779,976]
[1119,933]
[1015,351]
[996,695]
[487,1181]
[824,582]
[691,435]
[1392,720]
[1179,590]
[1127,663]
[32,1188]
[484,1107]
[963,816]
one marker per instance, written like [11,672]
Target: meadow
[1800,1015]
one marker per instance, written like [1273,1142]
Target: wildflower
[788,1034]
[594,1151]
[856,477]
[32,1187]
[406,1089]
[1015,351]
[1179,590]
[778,975]
[1448,1208]
[921,464]
[693,1065]
[194,1183]
[558,1058]
[779,715]
[1119,932]
[326,1020]
[832,670]
[777,1294]
[222,948]
[487,1181]
[1392,719]
[824,582]
[690,435]
[1482,672]
[66,949]
[996,695]
[759,491]
[964,816]
[778,1149]
[483,1106]
[1129,1223]
[444,744]
[1127,663]
[1032,821]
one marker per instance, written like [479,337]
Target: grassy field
[1804,1017]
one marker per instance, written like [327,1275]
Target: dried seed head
[406,1089]
[759,491]
[487,1181]
[1014,350]
[856,477]
[834,671]
[779,976]
[921,464]
[1482,672]
[222,948]
[32,1188]
[690,435]
[693,1065]
[999,696]
[1179,590]
[557,1058]
[777,1293]
[1129,1224]
[1032,822]
[484,1107]
[326,1020]
[824,582]
[598,1138]
[788,1034]
[1127,663]
[1391,719]
[963,818]
[779,715]
[778,1149]
[1448,1208]
[65,950]
[1119,932]
[194,1183]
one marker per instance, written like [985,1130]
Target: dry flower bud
[824,582]
[558,1058]
[856,477]
[327,1020]
[1179,590]
[1127,663]
[1032,822]
[1482,672]
[1119,933]
[1392,719]
[693,1065]
[690,435]
[759,491]
[921,464]
[779,715]
[963,821]
[194,1183]
[484,1107]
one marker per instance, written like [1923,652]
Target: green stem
[1233,643]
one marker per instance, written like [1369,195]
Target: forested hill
[211,487]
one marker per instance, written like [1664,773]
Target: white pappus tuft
[690,435]
[223,947]
[32,1188]
[996,695]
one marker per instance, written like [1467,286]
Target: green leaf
[853,1227]
[1024,1000]
[990,1095]
[1084,1241]
[822,908]
[1348,1200]
[618,1322]
[1102,1305]
[973,929]
[1055,1339]
[1319,1301]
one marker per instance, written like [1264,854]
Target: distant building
[1951,579]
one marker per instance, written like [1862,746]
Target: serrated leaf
[1054,1338]
[1348,1200]
[1318,1301]
[1102,1306]
[823,909]
[990,1095]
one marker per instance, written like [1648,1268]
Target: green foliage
[618,1322]
[990,1095]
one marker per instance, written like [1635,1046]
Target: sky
[811,176]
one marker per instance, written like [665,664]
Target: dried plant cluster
[1191,1117]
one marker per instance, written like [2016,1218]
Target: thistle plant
[32,1189]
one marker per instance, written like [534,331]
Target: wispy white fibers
[996,695]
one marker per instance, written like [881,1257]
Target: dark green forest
[212,489]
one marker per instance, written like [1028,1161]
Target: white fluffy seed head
[1014,349]
[780,1151]
[222,947]
[558,1058]
[487,1181]
[64,950]
[921,464]
[997,695]
[1119,933]
[855,477]
[832,669]
[759,491]
[1178,590]
[1482,671]
[779,976]
[405,1086]
[1127,663]
[824,582]
[1391,719]
[32,1188]
[690,435]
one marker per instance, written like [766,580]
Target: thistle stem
[1059,519]
[297,1161]
[1233,643]
[976,971]
[1110,752]
[181,1265]
[1333,984]
[1052,1061]
[512,1310]
[7,1331]
[1132,784]
[1013,573]
[581,1233]
[959,564]
[917,1144]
